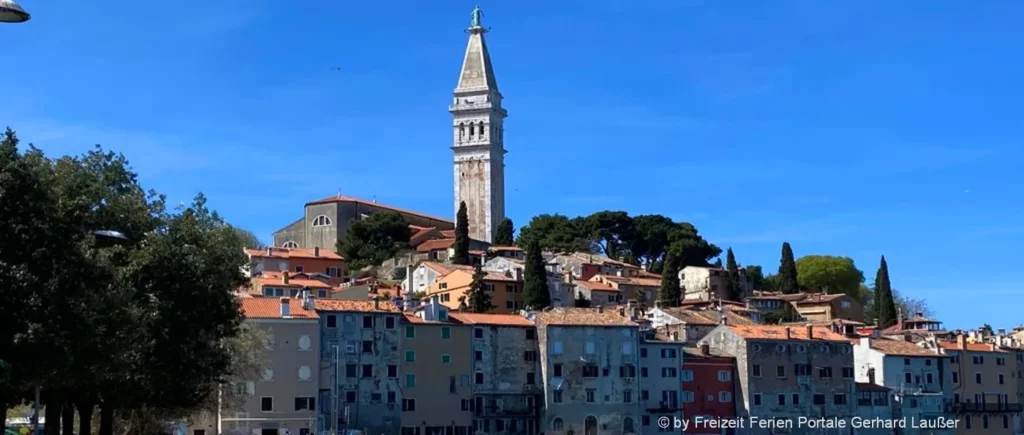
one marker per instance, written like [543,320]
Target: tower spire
[477,73]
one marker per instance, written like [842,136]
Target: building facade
[316,260]
[661,374]
[984,391]
[708,387]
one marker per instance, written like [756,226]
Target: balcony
[664,407]
[506,412]
[962,408]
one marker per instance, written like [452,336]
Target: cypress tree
[477,300]
[535,285]
[787,271]
[504,234]
[734,289]
[461,235]
[885,303]
[670,293]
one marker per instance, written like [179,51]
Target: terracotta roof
[690,317]
[445,268]
[694,352]
[326,254]
[270,308]
[637,281]
[298,280]
[498,276]
[778,332]
[448,233]
[477,252]
[413,318]
[866,386]
[341,198]
[419,231]
[489,319]
[898,347]
[505,248]
[594,285]
[583,317]
[355,306]
[723,302]
[971,347]
[435,244]
[920,319]
[819,298]
[646,274]
[601,259]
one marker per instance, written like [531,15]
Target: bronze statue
[476,14]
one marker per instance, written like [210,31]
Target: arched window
[290,245]
[462,129]
[321,221]
[590,425]
[481,129]
[557,424]
[627,425]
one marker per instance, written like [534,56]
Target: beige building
[984,387]
[437,373]
[505,289]
[707,283]
[283,400]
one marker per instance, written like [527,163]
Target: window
[350,370]
[643,372]
[530,355]
[350,397]
[268,374]
[725,396]
[1006,422]
[531,378]
[967,421]
[839,399]
[756,370]
[977,378]
[627,371]
[848,373]
[410,356]
[906,361]
[802,369]
[367,370]
[627,348]
[557,424]
[781,400]
[907,378]
[391,397]
[446,333]
[589,348]
[410,380]
[589,371]
[627,396]
[984,422]
[367,321]
[928,362]
[446,359]
[290,245]
[668,372]
[724,376]
[267,404]
[978,359]
[321,221]
[305,404]
[392,371]
[825,372]
[478,355]
[757,399]
[1000,379]
[557,370]
[956,378]
[389,323]
[531,334]
[199,432]
[928,378]
[321,293]
[591,395]
[668,353]
[780,371]
[688,396]
[645,395]
[409,405]
[796,398]
[556,396]
[367,346]
[333,271]
[410,331]
[687,375]
[478,332]
[478,378]
[556,348]
[819,399]
[298,269]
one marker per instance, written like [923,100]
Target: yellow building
[984,393]
[505,289]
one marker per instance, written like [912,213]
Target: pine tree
[670,294]
[787,271]
[535,287]
[734,290]
[504,236]
[885,303]
[477,300]
[461,235]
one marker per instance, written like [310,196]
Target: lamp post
[10,12]
[104,238]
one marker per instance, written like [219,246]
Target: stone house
[507,389]
[689,325]
[316,260]
[560,290]
[709,283]
[873,403]
[590,363]
[426,273]
[598,293]
[661,375]
[325,221]
[984,392]
[584,265]
[916,378]
[436,372]
[820,307]
[631,288]
[359,364]
[788,372]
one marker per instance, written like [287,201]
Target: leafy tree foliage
[885,303]
[829,274]
[477,300]
[653,234]
[249,240]
[670,294]
[504,236]
[555,233]
[535,285]
[461,235]
[756,276]
[612,232]
[911,306]
[371,241]
[788,282]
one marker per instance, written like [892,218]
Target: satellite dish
[10,12]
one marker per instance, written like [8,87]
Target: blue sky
[846,128]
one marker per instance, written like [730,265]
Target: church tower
[478,120]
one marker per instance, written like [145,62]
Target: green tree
[476,299]
[788,282]
[690,248]
[885,303]
[250,240]
[461,236]
[652,238]
[772,283]
[829,274]
[371,241]
[670,294]
[504,236]
[756,276]
[555,233]
[612,231]
[735,291]
[535,285]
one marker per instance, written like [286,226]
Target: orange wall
[457,283]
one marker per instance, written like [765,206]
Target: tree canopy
[788,280]
[249,240]
[756,276]
[829,274]
[504,235]
[371,241]
[670,294]
[535,286]
[885,302]
[461,236]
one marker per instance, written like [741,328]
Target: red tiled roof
[971,347]
[505,248]
[325,254]
[355,306]
[594,285]
[270,308]
[435,244]
[689,317]
[445,268]
[898,347]
[637,281]
[819,298]
[276,279]
[583,317]
[448,233]
[342,198]
[778,332]
[489,319]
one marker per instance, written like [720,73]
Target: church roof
[477,73]
[341,198]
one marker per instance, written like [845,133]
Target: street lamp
[10,12]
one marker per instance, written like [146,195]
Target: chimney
[600,308]
[992,346]
[286,307]
[568,277]
[409,280]
[284,277]
[810,331]
[725,321]
[789,333]
[270,251]
[1001,331]
[866,342]
[657,304]
[961,342]
[519,274]
[307,300]
[899,319]
[376,304]
[316,251]
[705,349]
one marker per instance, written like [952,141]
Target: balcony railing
[961,408]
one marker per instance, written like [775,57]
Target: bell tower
[478,140]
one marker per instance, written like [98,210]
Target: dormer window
[290,245]
[321,221]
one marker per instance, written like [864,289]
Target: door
[589,426]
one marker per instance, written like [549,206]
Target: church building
[479,165]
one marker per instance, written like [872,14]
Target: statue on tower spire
[476,14]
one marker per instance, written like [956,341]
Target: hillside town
[443,332]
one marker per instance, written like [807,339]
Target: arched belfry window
[322,221]
[462,129]
[290,245]
[481,131]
